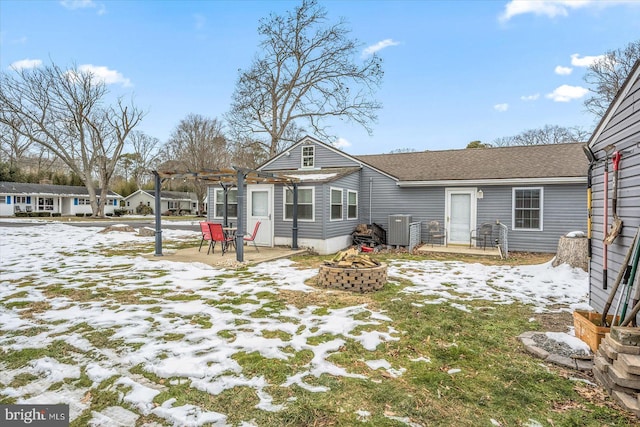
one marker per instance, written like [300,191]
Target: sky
[121,307]
[455,71]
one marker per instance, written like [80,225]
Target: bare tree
[63,111]
[305,73]
[548,134]
[198,143]
[145,155]
[607,75]
[13,145]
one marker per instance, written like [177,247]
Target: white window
[232,203]
[20,199]
[336,204]
[3,199]
[352,204]
[306,211]
[527,208]
[173,205]
[45,203]
[308,156]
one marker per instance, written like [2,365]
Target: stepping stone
[624,379]
[626,335]
[630,363]
[628,402]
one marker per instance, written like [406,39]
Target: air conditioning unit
[399,230]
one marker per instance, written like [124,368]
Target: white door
[260,208]
[461,214]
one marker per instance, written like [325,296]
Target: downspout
[370,200]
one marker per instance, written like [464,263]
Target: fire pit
[354,272]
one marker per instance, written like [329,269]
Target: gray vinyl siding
[324,158]
[564,210]
[345,226]
[622,131]
[423,204]
[306,229]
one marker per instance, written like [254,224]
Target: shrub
[144,210]
[56,214]
[119,212]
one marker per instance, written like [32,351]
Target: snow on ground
[185,321]
[540,285]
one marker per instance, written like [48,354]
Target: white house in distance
[65,200]
[170,201]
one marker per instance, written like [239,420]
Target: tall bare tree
[548,134]
[305,74]
[145,155]
[64,111]
[607,75]
[198,143]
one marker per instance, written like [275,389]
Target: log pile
[617,367]
[351,258]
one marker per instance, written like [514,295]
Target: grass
[497,380]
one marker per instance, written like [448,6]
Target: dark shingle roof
[533,161]
[29,188]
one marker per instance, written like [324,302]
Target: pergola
[227,178]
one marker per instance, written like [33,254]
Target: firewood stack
[617,367]
[351,258]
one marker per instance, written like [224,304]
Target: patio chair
[206,234]
[482,235]
[218,235]
[436,233]
[252,238]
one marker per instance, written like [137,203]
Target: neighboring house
[618,130]
[170,201]
[538,192]
[59,199]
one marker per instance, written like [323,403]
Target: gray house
[618,131]
[538,192]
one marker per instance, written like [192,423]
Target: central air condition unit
[399,230]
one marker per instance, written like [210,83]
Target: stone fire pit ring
[354,279]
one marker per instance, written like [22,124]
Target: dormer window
[308,156]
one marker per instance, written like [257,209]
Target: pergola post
[240,229]
[157,204]
[294,229]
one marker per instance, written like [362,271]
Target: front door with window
[460,214]
[260,208]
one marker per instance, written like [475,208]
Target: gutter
[504,181]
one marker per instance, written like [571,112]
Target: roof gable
[613,107]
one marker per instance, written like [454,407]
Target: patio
[251,256]
[459,249]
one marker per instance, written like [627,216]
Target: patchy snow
[571,340]
[540,285]
[185,322]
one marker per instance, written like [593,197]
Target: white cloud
[26,63]
[83,4]
[566,93]
[551,8]
[105,74]
[342,143]
[563,71]
[530,97]
[501,107]
[378,47]
[585,61]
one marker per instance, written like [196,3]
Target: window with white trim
[527,208]
[352,204]
[336,204]
[308,156]
[306,210]
[232,203]
[3,199]
[172,204]
[20,199]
